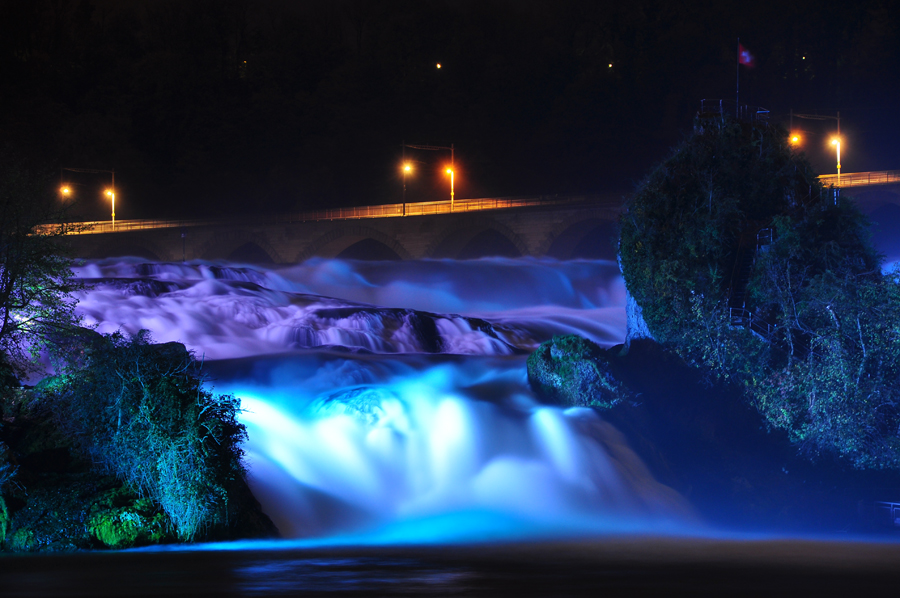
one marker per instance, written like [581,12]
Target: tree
[37,310]
[825,366]
[140,412]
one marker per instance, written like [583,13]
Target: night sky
[221,107]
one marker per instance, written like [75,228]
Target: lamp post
[450,172]
[407,168]
[837,143]
[111,192]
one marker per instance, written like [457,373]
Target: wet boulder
[572,371]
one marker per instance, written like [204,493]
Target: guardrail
[731,109]
[861,179]
[889,511]
[745,318]
[397,210]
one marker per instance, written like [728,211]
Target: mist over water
[388,401]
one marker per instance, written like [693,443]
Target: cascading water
[389,399]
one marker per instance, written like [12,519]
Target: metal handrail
[731,108]
[739,316]
[892,509]
[861,179]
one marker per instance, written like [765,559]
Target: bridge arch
[594,237]
[340,240]
[240,245]
[117,246]
[473,237]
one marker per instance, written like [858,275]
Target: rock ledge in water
[571,371]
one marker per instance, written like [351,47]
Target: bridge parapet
[560,227]
[861,179]
[397,210]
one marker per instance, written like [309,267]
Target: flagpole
[737,93]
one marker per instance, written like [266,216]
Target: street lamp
[837,143]
[112,194]
[407,168]
[450,172]
[438,148]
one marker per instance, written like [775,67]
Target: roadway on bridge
[430,208]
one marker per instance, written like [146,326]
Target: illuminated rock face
[574,372]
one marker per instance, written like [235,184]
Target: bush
[827,366]
[571,371]
[140,412]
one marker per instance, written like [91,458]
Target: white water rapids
[389,400]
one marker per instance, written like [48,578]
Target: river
[395,442]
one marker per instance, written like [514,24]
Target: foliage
[682,231]
[7,470]
[574,372]
[36,307]
[140,411]
[119,521]
[826,366]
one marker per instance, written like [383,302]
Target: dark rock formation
[702,440]
[571,371]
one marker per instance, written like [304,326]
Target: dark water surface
[619,566]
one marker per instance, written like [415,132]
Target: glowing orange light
[449,171]
[610,65]
[439,65]
[407,168]
[795,139]
[65,191]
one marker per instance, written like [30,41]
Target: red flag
[744,56]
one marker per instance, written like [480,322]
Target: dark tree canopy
[745,266]
[37,310]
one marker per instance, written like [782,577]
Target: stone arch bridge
[563,228]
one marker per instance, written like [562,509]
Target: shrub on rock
[571,371]
[140,412]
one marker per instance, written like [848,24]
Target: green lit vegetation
[574,372]
[745,267]
[140,411]
[125,445]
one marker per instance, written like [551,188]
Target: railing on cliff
[738,314]
[730,109]
[397,210]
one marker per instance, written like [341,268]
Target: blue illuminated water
[388,402]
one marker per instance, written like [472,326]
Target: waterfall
[390,399]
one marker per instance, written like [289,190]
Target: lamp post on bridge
[111,192]
[430,148]
[836,141]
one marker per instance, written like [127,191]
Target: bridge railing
[396,210]
[858,179]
